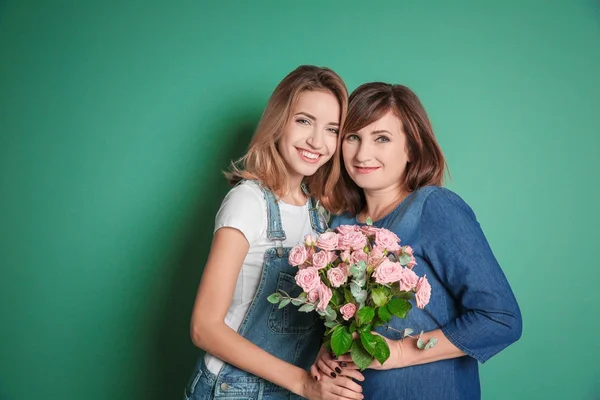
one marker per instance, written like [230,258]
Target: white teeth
[307,154]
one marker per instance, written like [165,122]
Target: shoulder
[244,208]
[443,207]
[342,219]
[247,193]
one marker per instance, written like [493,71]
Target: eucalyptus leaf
[404,259]
[369,221]
[284,303]
[274,298]
[432,342]
[361,297]
[307,308]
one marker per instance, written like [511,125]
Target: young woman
[254,349]
[393,172]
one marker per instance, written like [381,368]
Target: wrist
[300,382]
[403,352]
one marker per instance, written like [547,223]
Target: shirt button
[224,386]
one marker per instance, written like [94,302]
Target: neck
[381,202]
[294,194]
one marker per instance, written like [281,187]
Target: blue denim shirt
[471,300]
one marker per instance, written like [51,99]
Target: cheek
[331,142]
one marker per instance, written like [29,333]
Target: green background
[117,118]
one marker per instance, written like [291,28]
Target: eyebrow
[314,118]
[381,131]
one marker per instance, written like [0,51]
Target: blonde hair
[263,162]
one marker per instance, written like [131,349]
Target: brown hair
[263,162]
[367,104]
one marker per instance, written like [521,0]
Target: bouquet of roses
[356,278]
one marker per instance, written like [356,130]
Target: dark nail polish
[333,375]
[343,364]
[338,370]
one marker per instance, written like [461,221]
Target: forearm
[409,354]
[226,344]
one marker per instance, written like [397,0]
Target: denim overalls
[286,333]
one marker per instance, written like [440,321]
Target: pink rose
[358,256]
[346,256]
[409,280]
[324,296]
[345,229]
[353,241]
[308,279]
[407,250]
[388,272]
[321,259]
[310,240]
[376,256]
[423,292]
[337,276]
[348,310]
[328,241]
[411,263]
[369,230]
[313,295]
[387,240]
[298,255]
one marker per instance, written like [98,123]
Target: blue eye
[302,121]
[382,139]
[334,130]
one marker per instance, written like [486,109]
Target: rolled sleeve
[455,246]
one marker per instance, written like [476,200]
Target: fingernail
[343,364]
[338,370]
[333,375]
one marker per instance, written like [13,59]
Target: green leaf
[403,295]
[274,298]
[365,328]
[407,332]
[384,314]
[382,350]
[365,315]
[379,297]
[348,295]
[352,327]
[368,341]
[369,221]
[399,307]
[297,302]
[360,356]
[307,308]
[336,298]
[284,303]
[341,340]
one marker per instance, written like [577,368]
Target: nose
[364,152]
[315,140]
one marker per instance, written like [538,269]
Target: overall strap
[317,220]
[275,230]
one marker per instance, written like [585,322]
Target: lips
[365,170]
[309,156]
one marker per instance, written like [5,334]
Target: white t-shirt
[245,209]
